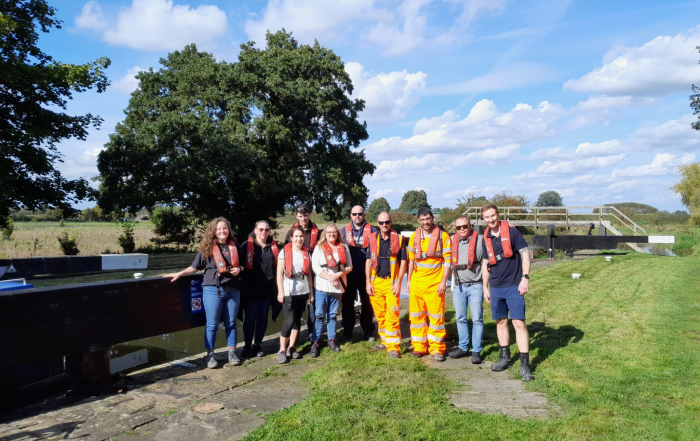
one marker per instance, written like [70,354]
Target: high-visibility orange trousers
[431,334]
[386,310]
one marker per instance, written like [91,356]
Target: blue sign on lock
[196,294]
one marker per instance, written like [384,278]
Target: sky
[586,98]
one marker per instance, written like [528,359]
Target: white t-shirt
[293,287]
[318,261]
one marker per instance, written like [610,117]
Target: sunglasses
[357,214]
[384,222]
[263,229]
[331,232]
[462,227]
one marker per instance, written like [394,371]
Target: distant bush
[173,226]
[630,209]
[69,245]
[377,206]
[7,231]
[126,239]
[399,217]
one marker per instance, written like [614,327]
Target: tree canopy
[33,86]
[377,206]
[240,139]
[695,102]
[413,200]
[507,199]
[689,190]
[549,199]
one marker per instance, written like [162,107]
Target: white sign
[662,239]
[196,304]
[11,269]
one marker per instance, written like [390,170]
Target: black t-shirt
[307,237]
[264,264]
[384,258]
[507,272]
[211,273]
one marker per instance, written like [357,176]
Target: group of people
[319,270]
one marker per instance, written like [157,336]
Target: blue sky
[588,98]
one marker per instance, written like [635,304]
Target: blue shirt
[507,272]
[357,253]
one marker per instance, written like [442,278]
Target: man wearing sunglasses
[467,288]
[356,236]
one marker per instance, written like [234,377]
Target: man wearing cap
[467,288]
[356,235]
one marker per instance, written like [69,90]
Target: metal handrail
[24,281]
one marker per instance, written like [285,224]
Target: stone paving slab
[187,426]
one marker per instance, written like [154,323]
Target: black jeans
[293,307]
[356,284]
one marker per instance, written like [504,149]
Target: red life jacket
[289,258]
[432,245]
[366,231]
[219,258]
[250,252]
[395,246]
[504,231]
[328,252]
[314,234]
[471,250]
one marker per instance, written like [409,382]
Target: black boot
[525,367]
[503,360]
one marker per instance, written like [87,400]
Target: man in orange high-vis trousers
[384,270]
[429,257]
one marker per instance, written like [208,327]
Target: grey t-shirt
[473,274]
[211,273]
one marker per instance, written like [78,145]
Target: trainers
[438,357]
[257,350]
[503,360]
[418,354]
[457,353]
[525,367]
[293,353]
[379,347]
[314,350]
[476,358]
[333,345]
[233,358]
[211,361]
[369,337]
[394,354]
[247,352]
[282,357]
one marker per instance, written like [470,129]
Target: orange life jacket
[366,231]
[432,245]
[504,231]
[471,250]
[395,247]
[250,252]
[328,252]
[314,234]
[219,258]
[289,258]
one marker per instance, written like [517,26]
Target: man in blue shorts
[505,273]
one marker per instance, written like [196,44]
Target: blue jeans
[474,297]
[326,305]
[255,317]
[214,307]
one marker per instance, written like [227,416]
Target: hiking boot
[257,350]
[503,360]
[394,354]
[211,361]
[476,358]
[233,358]
[314,350]
[293,353]
[282,357]
[418,354]
[247,352]
[438,357]
[332,345]
[379,347]
[457,353]
[525,367]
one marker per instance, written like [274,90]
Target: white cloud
[388,96]
[662,66]
[584,150]
[515,76]
[673,135]
[128,83]
[381,193]
[156,25]
[662,164]
[93,152]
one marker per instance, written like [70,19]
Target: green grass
[617,350]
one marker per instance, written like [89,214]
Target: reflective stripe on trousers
[386,310]
[427,335]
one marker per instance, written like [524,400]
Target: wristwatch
[526,276]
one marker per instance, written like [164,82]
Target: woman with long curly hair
[218,257]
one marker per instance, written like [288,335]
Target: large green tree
[549,199]
[695,102]
[689,190]
[377,206]
[239,139]
[34,89]
[413,200]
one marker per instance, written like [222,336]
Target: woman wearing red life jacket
[218,256]
[294,291]
[331,263]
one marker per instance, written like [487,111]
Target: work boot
[333,345]
[211,361]
[418,354]
[525,367]
[503,360]
[438,357]
[457,353]
[257,350]
[314,350]
[476,358]
[282,357]
[233,358]
[247,352]
[379,347]
[394,354]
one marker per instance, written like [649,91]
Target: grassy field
[618,350]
